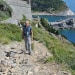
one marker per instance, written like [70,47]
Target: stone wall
[19,8]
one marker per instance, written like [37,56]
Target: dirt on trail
[14,61]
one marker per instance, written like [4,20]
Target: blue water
[55,18]
[69,34]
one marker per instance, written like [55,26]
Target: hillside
[5,10]
[51,55]
[62,50]
[48,5]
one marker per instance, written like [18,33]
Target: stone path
[14,61]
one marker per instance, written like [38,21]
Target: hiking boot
[26,52]
[29,53]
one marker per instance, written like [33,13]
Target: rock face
[67,12]
[19,8]
[64,24]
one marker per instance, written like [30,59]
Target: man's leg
[29,45]
[26,43]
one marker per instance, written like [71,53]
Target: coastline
[42,13]
[63,13]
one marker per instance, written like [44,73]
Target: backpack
[27,31]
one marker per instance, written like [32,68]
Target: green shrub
[24,18]
[48,27]
[48,5]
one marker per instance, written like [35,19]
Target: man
[27,35]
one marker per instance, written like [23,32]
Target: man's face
[27,23]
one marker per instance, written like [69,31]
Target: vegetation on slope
[48,27]
[5,10]
[63,52]
[48,5]
[9,32]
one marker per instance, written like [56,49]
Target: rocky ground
[67,12]
[14,61]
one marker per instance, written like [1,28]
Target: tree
[48,27]
[48,5]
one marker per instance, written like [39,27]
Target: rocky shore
[67,12]
[41,13]
[64,24]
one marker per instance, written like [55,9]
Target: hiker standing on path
[27,35]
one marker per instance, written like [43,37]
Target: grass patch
[9,32]
[50,59]
[3,15]
[62,52]
[32,46]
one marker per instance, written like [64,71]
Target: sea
[69,34]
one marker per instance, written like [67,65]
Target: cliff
[67,12]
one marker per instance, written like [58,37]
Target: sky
[71,4]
